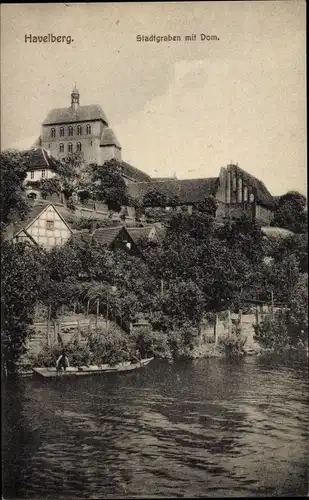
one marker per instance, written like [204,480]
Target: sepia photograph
[154,250]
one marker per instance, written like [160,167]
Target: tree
[23,277]
[67,178]
[291,212]
[13,174]
[51,186]
[154,198]
[299,310]
[108,184]
[208,206]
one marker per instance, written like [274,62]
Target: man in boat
[62,362]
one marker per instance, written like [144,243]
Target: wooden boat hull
[88,370]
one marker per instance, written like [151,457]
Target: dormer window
[70,147]
[79,130]
[88,129]
[78,147]
[61,132]
[61,147]
[70,131]
[53,132]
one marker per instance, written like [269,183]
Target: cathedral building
[79,129]
[85,129]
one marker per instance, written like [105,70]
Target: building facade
[41,166]
[239,192]
[79,129]
[236,192]
[44,226]
[85,129]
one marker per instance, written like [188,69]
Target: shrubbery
[287,327]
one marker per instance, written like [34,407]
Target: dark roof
[163,179]
[109,138]
[139,232]
[134,173]
[143,232]
[82,114]
[40,158]
[261,192]
[16,227]
[106,235]
[82,236]
[187,190]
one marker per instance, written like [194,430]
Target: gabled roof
[186,190]
[82,114]
[16,227]
[134,173]
[109,138]
[106,235]
[260,190]
[40,158]
[139,232]
[82,236]
[160,179]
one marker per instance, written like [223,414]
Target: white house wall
[37,175]
[48,238]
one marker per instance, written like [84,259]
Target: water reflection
[204,428]
[19,440]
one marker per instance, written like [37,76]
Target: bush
[232,346]
[182,341]
[110,347]
[154,343]
[48,356]
[272,332]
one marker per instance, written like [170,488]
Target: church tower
[75,99]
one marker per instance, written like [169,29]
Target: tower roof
[109,138]
[82,114]
[75,91]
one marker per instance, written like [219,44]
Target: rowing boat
[91,370]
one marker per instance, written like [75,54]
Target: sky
[186,108]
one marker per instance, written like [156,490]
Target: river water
[205,428]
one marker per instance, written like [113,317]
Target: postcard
[154,249]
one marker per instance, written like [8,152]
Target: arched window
[88,129]
[61,147]
[53,132]
[70,147]
[70,131]
[79,130]
[78,146]
[61,132]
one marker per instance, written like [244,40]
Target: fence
[224,326]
